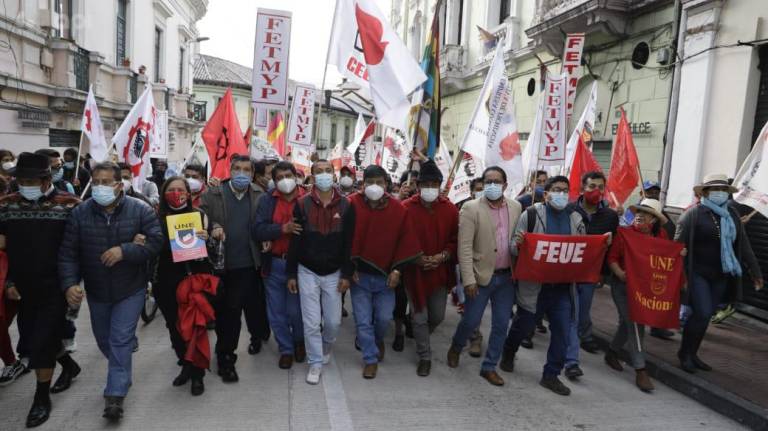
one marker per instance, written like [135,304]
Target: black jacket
[604,220]
[91,231]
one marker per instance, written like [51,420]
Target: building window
[181,68]
[503,10]
[346,132]
[333,134]
[122,20]
[158,47]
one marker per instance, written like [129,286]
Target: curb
[712,396]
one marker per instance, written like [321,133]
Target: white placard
[302,116]
[159,147]
[574,45]
[270,59]
[553,123]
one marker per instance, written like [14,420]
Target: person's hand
[266,246]
[356,277]
[202,234]
[620,210]
[684,252]
[140,239]
[75,295]
[76,182]
[470,291]
[112,256]
[622,276]
[218,233]
[519,237]
[214,182]
[424,261]
[291,228]
[759,283]
[343,285]
[293,286]
[12,293]
[608,235]
[394,279]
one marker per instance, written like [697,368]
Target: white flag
[134,137]
[368,153]
[503,149]
[469,169]
[396,157]
[531,151]
[366,50]
[586,122]
[752,178]
[359,132]
[94,131]
[444,162]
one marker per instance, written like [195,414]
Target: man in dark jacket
[71,160]
[57,170]
[32,226]
[108,243]
[231,208]
[318,264]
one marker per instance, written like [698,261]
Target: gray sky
[231,25]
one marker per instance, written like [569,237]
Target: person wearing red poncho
[429,280]
[383,244]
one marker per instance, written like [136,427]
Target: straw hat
[650,206]
[714,180]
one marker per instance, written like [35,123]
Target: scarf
[730,263]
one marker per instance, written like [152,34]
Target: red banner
[561,258]
[655,274]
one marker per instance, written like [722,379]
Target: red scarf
[437,230]
[384,236]
[194,314]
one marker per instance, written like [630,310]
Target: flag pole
[454,169]
[77,162]
[318,124]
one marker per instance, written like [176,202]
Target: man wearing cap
[718,251]
[428,282]
[32,224]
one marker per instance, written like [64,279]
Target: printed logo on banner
[270,59]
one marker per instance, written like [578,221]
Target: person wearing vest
[318,264]
[486,226]
[275,227]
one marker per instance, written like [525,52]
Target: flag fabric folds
[276,133]
[583,162]
[561,258]
[136,134]
[223,137]
[427,140]
[92,128]
[752,178]
[625,167]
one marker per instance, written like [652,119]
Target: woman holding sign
[175,201]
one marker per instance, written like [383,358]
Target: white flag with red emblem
[93,130]
[503,149]
[366,50]
[135,136]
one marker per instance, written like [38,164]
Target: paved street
[267,398]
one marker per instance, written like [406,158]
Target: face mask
[286,185]
[593,197]
[478,195]
[346,182]
[194,184]
[429,195]
[30,193]
[176,200]
[127,185]
[558,200]
[492,191]
[103,195]
[7,166]
[374,192]
[324,182]
[240,181]
[57,175]
[271,185]
[69,165]
[718,197]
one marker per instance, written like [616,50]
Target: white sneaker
[326,359]
[313,375]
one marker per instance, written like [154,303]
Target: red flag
[223,137]
[248,136]
[625,167]
[561,258]
[654,276]
[583,162]
[276,134]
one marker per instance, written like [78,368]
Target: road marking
[336,399]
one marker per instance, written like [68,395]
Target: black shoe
[424,368]
[590,346]
[507,361]
[555,385]
[573,372]
[38,414]
[686,362]
[255,347]
[197,387]
[698,363]
[68,375]
[183,377]
[113,409]
[526,343]
[228,374]
[399,344]
[664,334]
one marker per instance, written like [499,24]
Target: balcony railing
[453,61]
[508,33]
[551,8]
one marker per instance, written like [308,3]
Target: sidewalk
[737,350]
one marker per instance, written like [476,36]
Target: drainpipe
[680,24]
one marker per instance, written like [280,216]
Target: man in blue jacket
[108,243]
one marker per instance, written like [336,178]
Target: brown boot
[453,357]
[492,377]
[643,380]
[612,359]
[285,362]
[369,371]
[476,347]
[380,346]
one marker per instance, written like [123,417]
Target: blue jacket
[264,229]
[91,231]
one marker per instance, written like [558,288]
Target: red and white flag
[368,153]
[135,136]
[584,128]
[366,50]
[93,130]
[396,156]
[359,132]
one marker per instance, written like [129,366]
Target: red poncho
[384,237]
[194,314]
[437,230]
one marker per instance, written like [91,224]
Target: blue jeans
[704,295]
[320,308]
[556,303]
[283,309]
[500,291]
[114,327]
[373,303]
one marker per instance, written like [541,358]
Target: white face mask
[374,192]
[195,185]
[286,185]
[430,195]
[346,182]
[7,166]
[127,185]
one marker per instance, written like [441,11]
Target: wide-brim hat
[31,165]
[714,180]
[650,206]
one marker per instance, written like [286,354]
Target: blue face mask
[324,181]
[492,191]
[558,200]
[57,175]
[69,165]
[718,197]
[31,193]
[103,195]
[240,181]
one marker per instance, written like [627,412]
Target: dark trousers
[401,303]
[230,303]
[704,296]
[255,308]
[165,295]
[41,322]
